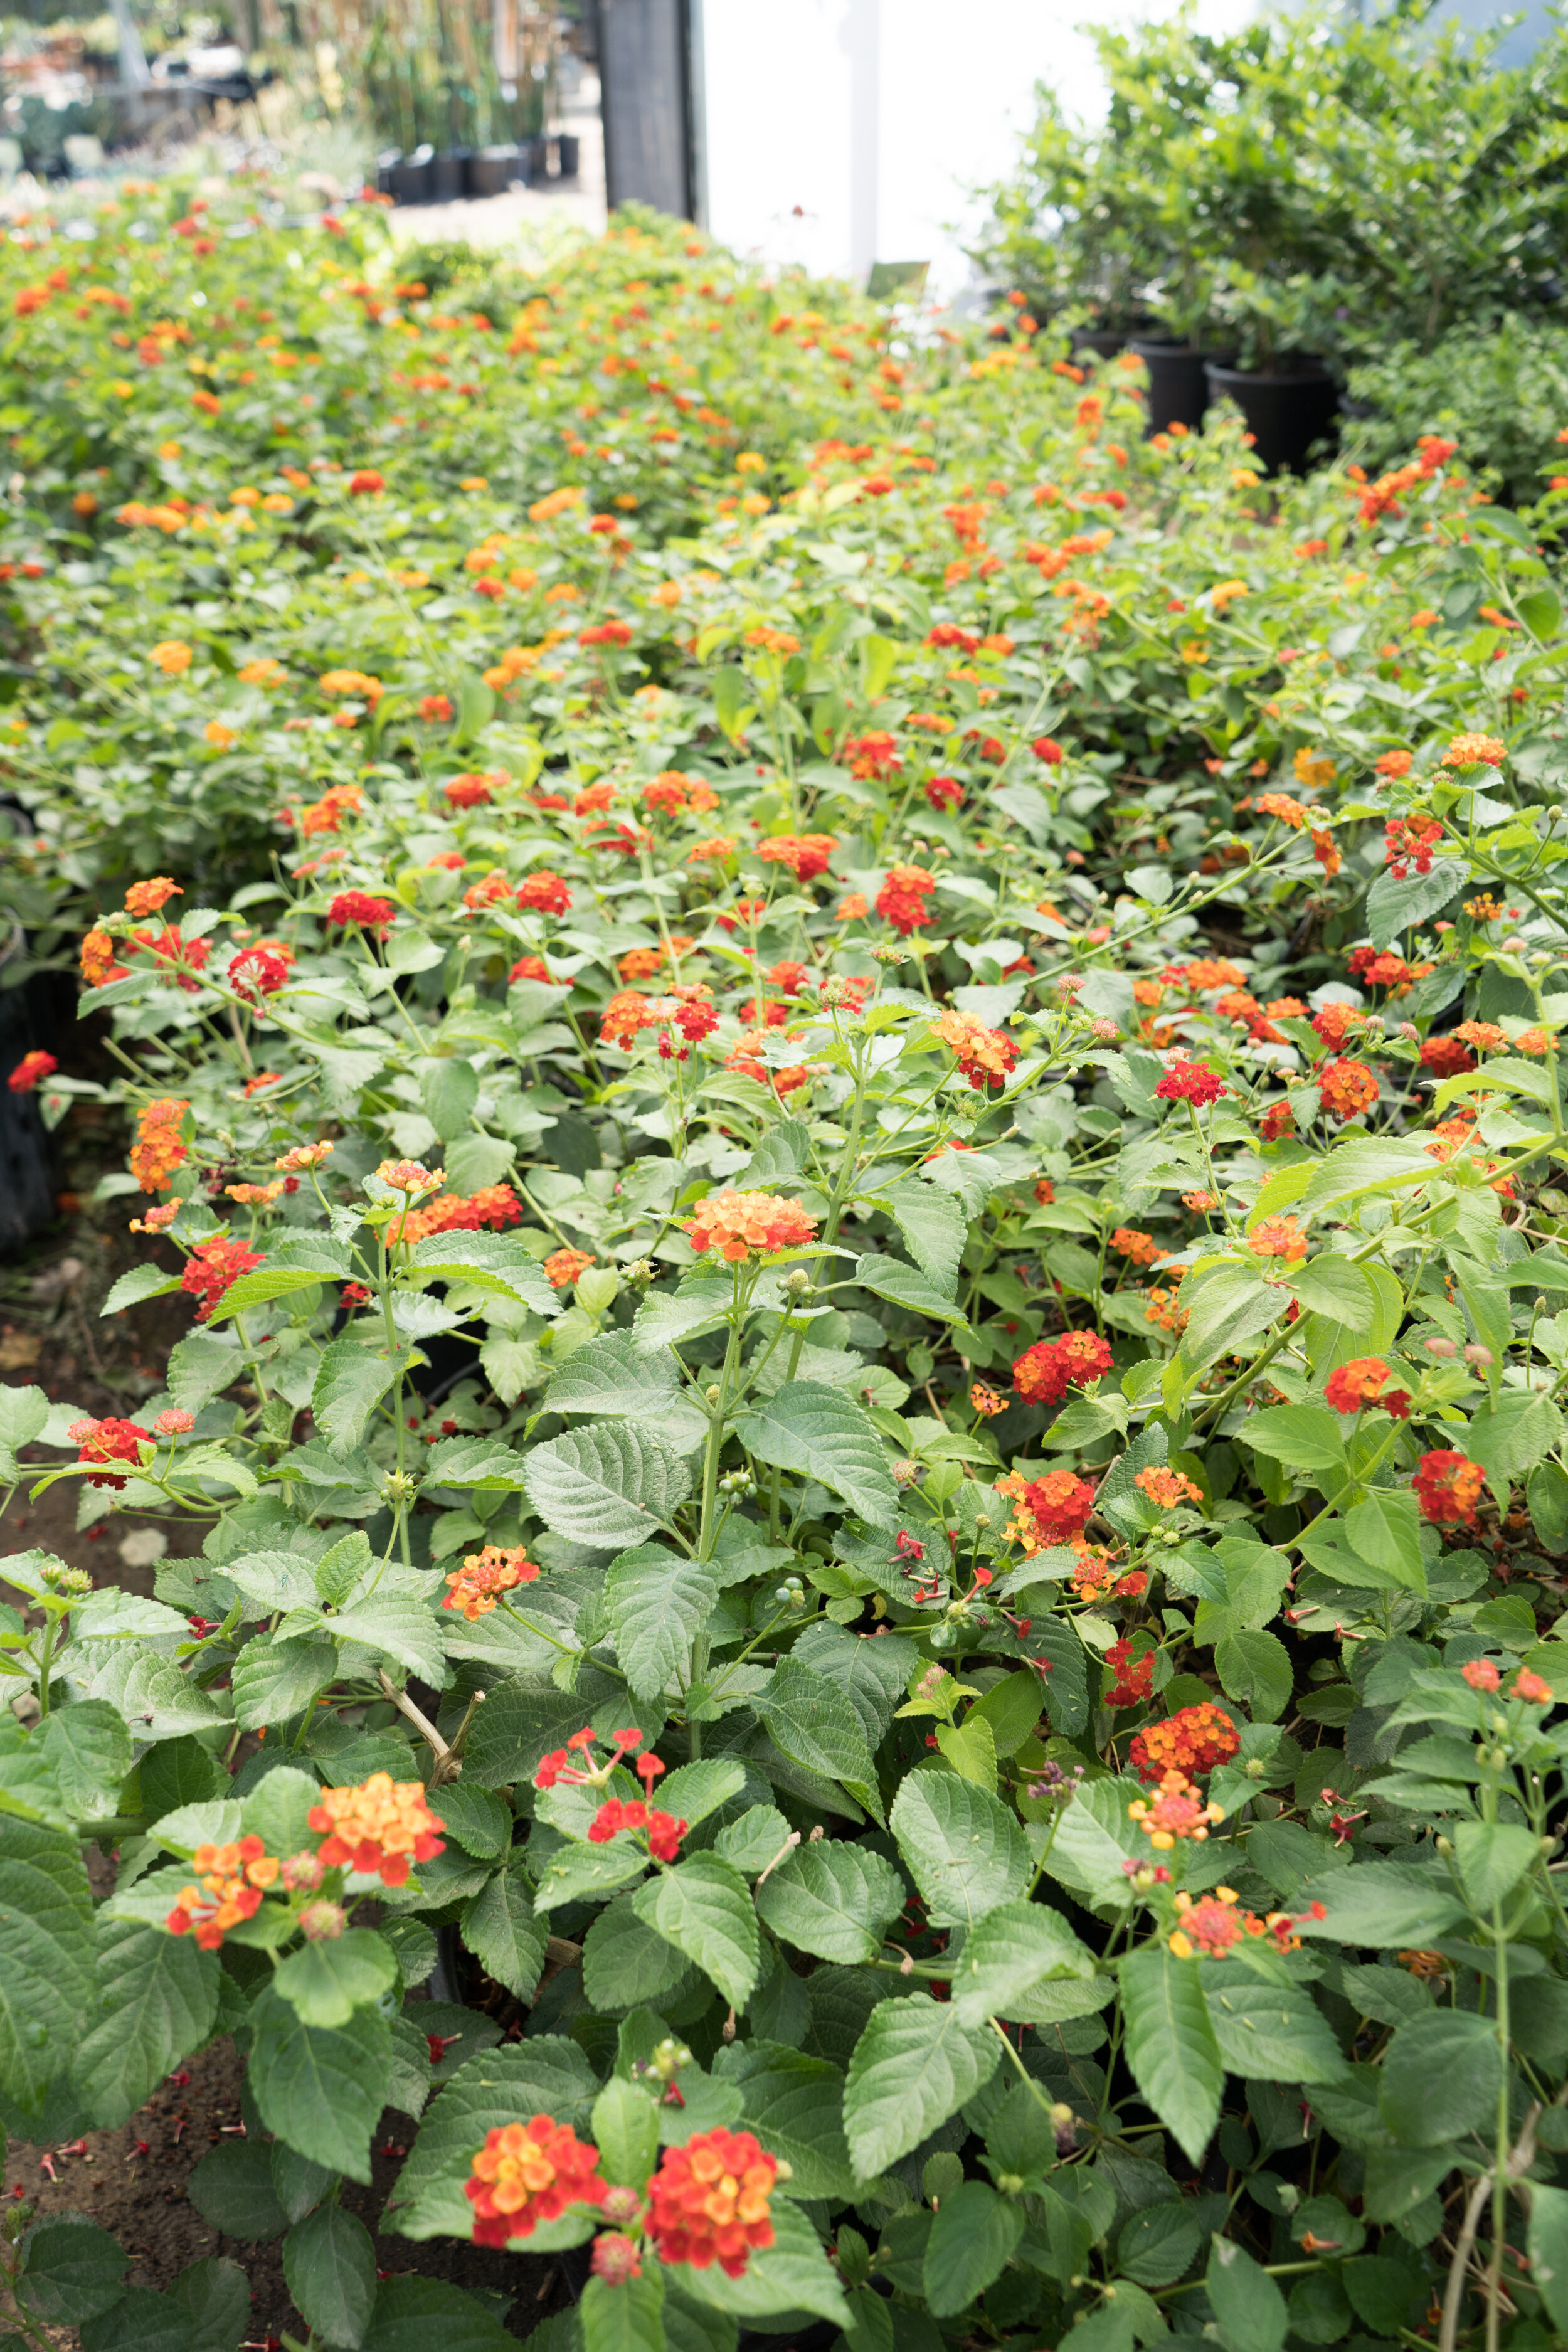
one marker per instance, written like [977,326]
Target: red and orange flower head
[562,1267]
[1446,1056]
[1054,1509]
[1346,1088]
[31,1071]
[805,853]
[985,1055]
[1475,750]
[709,2202]
[384,1825]
[1189,1082]
[484,1575]
[146,898]
[231,1881]
[545,893]
[1132,1683]
[108,1440]
[1193,1740]
[158,1150]
[213,1268]
[745,1225]
[1044,1373]
[1211,1927]
[467,792]
[901,900]
[1177,1812]
[529,2173]
[1363,1381]
[357,909]
[1447,1487]
[1167,1489]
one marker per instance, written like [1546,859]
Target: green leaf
[610,1484]
[823,1433]
[328,2261]
[158,1999]
[48,1978]
[326,1982]
[624,1963]
[1327,1284]
[657,1604]
[141,1282]
[625,2132]
[933,1226]
[627,2317]
[498,1928]
[703,1908]
[412,2313]
[1440,2078]
[87,1749]
[833,1898]
[1302,1436]
[1393,907]
[1011,1709]
[274,1679]
[319,2088]
[1492,1857]
[812,1723]
[1511,1434]
[914,2064]
[277,1808]
[1255,1666]
[1269,2032]
[975,2235]
[1248,2304]
[617,1374]
[1371,1164]
[1548,2249]
[578,1873]
[1228,1307]
[297,2183]
[1385,1905]
[493,1263]
[448,1088]
[1170,2044]
[213,2296]
[695,1790]
[71,2270]
[1384,1529]
[475,1462]
[1156,2244]
[402,1627]
[1014,1949]
[795,2104]
[349,1383]
[962,1847]
[902,1286]
[232,2188]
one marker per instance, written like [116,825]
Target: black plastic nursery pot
[1286,413]
[569,148]
[413,177]
[1106,342]
[1179,390]
[450,175]
[493,170]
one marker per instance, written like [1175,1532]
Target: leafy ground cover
[854,1081]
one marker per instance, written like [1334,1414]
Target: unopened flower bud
[71,1584]
[397,1486]
[796,1285]
[1255,1767]
[323,1922]
[304,1873]
[1514,946]
[1104,1031]
[621,2203]
[1444,1347]
[906,1473]
[713,1392]
[1011,2184]
[641,1271]
[615,2258]
[1475,1353]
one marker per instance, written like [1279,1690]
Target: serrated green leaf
[914,2064]
[703,1906]
[657,1604]
[49,1979]
[972,2237]
[820,1433]
[158,1999]
[962,1847]
[609,1484]
[812,1722]
[498,1928]
[833,1898]
[328,2261]
[1170,2044]
[319,2088]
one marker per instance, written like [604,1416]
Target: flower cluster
[108,1440]
[529,2173]
[231,1881]
[213,1268]
[158,1149]
[1044,1373]
[1448,1488]
[985,1055]
[901,900]
[709,2202]
[1133,1679]
[663,1831]
[484,1575]
[1167,1489]
[1193,1741]
[743,1227]
[1178,1812]
[1363,1381]
[383,1825]
[1049,1510]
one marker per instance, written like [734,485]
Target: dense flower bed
[856,1083]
